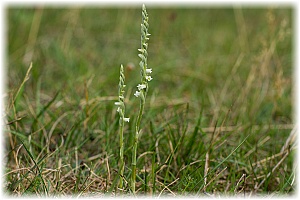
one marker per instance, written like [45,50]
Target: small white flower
[141,86]
[141,50]
[149,78]
[118,109]
[126,119]
[149,71]
[118,103]
[137,94]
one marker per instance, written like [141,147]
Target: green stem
[122,164]
[135,144]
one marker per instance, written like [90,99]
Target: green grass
[216,118]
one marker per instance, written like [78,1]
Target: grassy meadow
[218,118]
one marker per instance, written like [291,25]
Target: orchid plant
[121,111]
[142,89]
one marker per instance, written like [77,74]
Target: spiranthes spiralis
[142,88]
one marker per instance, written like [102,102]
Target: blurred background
[217,57]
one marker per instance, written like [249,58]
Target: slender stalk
[121,111]
[135,145]
[122,163]
[142,90]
